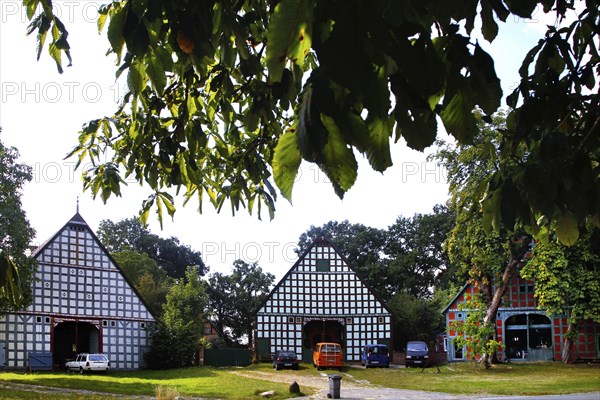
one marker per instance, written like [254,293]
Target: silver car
[85,362]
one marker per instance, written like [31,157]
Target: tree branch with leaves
[227,98]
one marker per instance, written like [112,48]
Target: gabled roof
[461,291]
[77,220]
[323,241]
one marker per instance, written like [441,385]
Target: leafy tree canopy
[152,282]
[406,257]
[490,258]
[417,318]
[16,268]
[129,234]
[175,340]
[226,97]
[234,299]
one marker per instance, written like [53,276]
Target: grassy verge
[203,382]
[459,378]
[504,379]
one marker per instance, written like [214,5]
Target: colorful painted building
[321,299]
[82,303]
[526,332]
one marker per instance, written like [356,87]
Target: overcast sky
[41,112]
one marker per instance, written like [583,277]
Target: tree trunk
[492,310]
[567,345]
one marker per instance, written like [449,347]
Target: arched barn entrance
[528,337]
[73,337]
[321,331]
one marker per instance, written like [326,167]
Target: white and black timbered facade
[81,303]
[321,299]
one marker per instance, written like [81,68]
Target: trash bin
[335,382]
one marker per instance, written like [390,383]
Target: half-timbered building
[526,332]
[82,302]
[321,299]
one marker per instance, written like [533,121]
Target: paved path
[401,394]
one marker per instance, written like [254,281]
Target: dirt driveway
[313,382]
[351,388]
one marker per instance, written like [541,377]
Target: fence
[227,357]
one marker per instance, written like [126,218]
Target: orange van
[328,355]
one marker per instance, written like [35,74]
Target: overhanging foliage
[226,96]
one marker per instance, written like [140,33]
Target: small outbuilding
[321,299]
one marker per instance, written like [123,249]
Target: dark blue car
[375,355]
[285,359]
[417,354]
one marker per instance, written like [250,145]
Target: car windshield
[97,357]
[286,354]
[417,346]
[379,349]
[330,348]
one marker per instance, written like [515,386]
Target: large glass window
[528,336]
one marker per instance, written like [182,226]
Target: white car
[85,362]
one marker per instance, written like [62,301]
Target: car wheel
[277,367]
[81,370]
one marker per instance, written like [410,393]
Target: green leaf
[522,8]
[156,73]
[40,42]
[490,206]
[457,113]
[31,6]
[136,77]
[310,132]
[378,151]
[101,21]
[146,207]
[489,27]
[501,11]
[167,200]
[135,32]
[567,229]
[289,35]
[509,204]
[340,164]
[115,30]
[286,161]
[486,85]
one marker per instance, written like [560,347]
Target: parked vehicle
[285,359]
[328,355]
[85,362]
[375,355]
[417,354]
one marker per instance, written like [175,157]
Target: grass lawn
[503,379]
[200,382]
[459,378]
